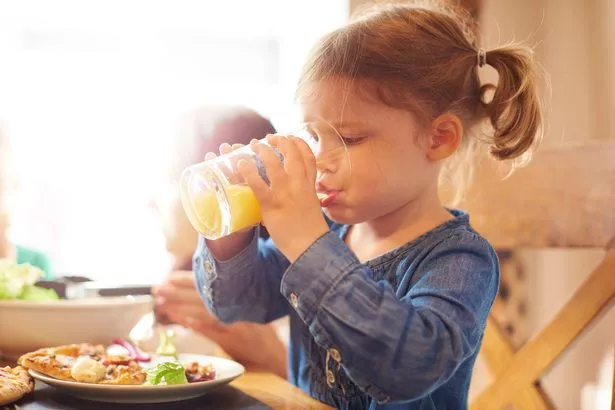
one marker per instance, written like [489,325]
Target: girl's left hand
[290,209]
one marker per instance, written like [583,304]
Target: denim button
[206,292]
[385,400]
[335,354]
[330,378]
[294,300]
[209,267]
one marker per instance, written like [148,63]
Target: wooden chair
[564,198]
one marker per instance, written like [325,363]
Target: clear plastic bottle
[217,200]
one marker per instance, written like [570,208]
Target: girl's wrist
[225,248]
[296,246]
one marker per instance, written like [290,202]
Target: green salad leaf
[38,294]
[169,372]
[17,282]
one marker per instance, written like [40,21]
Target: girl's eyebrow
[310,122]
[348,124]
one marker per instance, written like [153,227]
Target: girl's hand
[290,208]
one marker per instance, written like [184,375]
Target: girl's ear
[445,137]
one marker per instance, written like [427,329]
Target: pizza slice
[14,384]
[55,361]
[85,363]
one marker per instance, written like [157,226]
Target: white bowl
[26,326]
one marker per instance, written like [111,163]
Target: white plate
[226,371]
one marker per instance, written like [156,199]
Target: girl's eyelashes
[354,140]
[348,140]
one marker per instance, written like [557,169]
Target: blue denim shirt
[401,331]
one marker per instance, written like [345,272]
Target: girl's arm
[246,285]
[396,347]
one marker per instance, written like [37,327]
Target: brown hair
[422,56]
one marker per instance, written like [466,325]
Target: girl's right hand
[227,247]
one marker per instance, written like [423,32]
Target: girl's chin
[341,215]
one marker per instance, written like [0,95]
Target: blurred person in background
[253,345]
[8,186]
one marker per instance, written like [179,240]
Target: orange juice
[206,217]
[244,211]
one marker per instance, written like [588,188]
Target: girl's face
[389,164]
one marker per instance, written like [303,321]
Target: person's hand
[290,209]
[255,346]
[178,300]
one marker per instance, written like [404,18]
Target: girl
[389,295]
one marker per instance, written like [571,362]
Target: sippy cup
[218,201]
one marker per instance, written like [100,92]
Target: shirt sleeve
[245,287]
[35,258]
[396,347]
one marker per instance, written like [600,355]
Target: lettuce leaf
[169,372]
[10,287]
[17,282]
[38,294]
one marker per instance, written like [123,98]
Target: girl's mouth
[327,198]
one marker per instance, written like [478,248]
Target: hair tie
[482,57]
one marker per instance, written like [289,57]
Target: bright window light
[91,91]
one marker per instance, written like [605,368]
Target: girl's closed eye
[347,140]
[353,139]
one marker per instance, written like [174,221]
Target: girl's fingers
[293,163]
[225,148]
[271,162]
[249,172]
[306,155]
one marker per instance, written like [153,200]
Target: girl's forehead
[331,98]
[343,104]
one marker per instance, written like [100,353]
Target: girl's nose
[325,165]
[331,160]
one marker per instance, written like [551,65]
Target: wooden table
[253,390]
